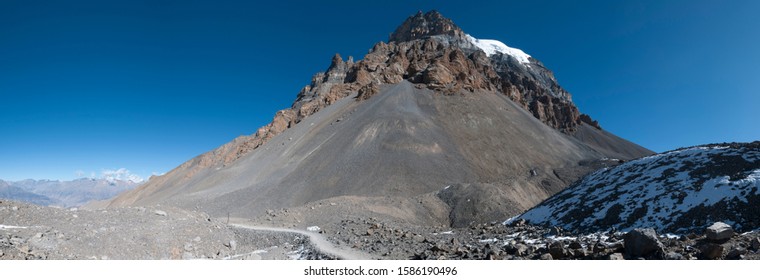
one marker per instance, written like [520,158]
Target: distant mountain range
[64,193]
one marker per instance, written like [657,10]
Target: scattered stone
[719,232]
[674,256]
[616,257]
[736,253]
[521,249]
[313,228]
[642,242]
[557,249]
[579,253]
[712,251]
[188,247]
[616,246]
[197,239]
[547,257]
[418,238]
[233,245]
[755,243]
[160,213]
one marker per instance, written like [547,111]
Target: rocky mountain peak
[421,26]
[429,51]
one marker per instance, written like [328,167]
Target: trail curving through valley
[319,241]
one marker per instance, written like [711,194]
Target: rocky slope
[387,237]
[680,191]
[432,107]
[521,241]
[33,232]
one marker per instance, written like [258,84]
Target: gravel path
[319,241]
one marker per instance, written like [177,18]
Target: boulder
[755,243]
[521,249]
[557,250]
[711,251]
[719,232]
[616,257]
[674,256]
[736,253]
[547,256]
[642,243]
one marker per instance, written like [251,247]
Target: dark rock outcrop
[642,243]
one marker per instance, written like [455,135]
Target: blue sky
[91,86]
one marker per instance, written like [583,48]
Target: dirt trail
[319,241]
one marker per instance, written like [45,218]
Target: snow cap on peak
[491,47]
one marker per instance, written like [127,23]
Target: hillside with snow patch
[678,191]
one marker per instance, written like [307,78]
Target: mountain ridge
[389,63]
[60,193]
[413,116]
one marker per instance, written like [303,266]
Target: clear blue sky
[146,85]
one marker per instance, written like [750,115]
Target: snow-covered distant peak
[491,47]
[121,174]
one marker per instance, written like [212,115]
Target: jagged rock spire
[420,26]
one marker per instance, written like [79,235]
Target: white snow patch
[297,254]
[10,227]
[313,228]
[511,220]
[490,240]
[513,235]
[561,238]
[491,47]
[531,241]
[670,236]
